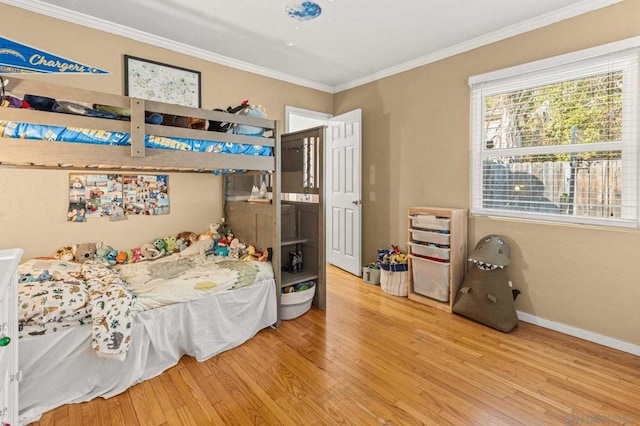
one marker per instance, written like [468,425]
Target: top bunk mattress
[9,129]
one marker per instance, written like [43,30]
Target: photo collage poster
[116,196]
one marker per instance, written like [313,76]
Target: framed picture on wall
[155,81]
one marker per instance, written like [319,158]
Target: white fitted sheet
[61,368]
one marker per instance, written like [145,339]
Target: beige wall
[416,153]
[33,203]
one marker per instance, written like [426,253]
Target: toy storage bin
[430,278]
[434,222]
[430,237]
[297,303]
[394,283]
[430,251]
[371,275]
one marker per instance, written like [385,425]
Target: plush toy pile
[244,109]
[185,243]
[392,259]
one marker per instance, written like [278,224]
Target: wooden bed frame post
[137,127]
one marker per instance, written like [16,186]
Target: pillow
[37,266]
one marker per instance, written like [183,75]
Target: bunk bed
[62,367]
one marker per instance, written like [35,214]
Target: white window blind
[557,139]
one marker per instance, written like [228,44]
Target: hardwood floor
[380,359]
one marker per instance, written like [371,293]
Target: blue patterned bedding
[9,129]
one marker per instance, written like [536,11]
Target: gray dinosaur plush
[485,295]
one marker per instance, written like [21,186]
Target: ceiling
[349,44]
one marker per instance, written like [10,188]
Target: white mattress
[61,368]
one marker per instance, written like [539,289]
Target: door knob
[356,202]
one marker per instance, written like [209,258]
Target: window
[557,139]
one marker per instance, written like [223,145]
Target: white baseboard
[580,333]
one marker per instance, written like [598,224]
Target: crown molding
[120,30]
[495,36]
[154,40]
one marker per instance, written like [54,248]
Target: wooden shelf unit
[457,253]
[302,208]
[298,218]
[305,231]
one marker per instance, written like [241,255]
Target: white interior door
[344,191]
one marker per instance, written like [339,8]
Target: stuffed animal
[218,250]
[265,256]
[236,248]
[64,254]
[26,278]
[214,230]
[197,123]
[174,120]
[244,129]
[221,250]
[102,251]
[121,258]
[228,240]
[188,237]
[170,243]
[199,247]
[249,253]
[160,245]
[224,126]
[205,236]
[136,255]
[224,229]
[149,252]
[83,252]
[181,244]
[45,276]
[111,257]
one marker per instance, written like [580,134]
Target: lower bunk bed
[198,306]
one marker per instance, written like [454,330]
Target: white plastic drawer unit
[427,221]
[430,237]
[429,251]
[430,278]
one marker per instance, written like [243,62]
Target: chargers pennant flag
[16,58]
